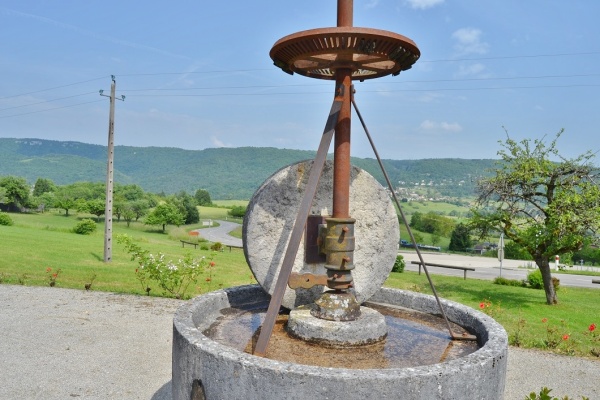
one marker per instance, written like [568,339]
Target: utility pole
[110,172]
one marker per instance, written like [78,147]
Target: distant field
[231,203]
[433,206]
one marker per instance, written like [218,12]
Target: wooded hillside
[227,173]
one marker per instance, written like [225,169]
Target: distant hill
[227,173]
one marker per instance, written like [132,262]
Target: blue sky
[198,74]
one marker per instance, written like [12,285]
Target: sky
[197,75]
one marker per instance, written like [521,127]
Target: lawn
[37,242]
[523,312]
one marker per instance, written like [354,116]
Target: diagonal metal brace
[296,236]
[453,335]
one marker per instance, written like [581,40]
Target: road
[221,234]
[489,268]
[485,267]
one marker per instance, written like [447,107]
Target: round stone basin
[414,338]
[214,334]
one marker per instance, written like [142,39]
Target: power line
[199,72]
[52,88]
[50,109]
[46,101]
[366,91]
[327,92]
[327,84]
[513,57]
[364,83]
[271,69]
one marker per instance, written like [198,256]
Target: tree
[76,195]
[237,211]
[44,201]
[546,207]
[460,240]
[202,197]
[513,251]
[43,185]
[187,207]
[416,219]
[64,201]
[96,207]
[432,223]
[130,192]
[128,213]
[16,192]
[165,214]
[140,208]
[119,204]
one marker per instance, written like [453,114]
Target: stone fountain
[321,238]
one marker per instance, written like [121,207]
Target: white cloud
[429,125]
[372,4]
[469,41]
[423,4]
[217,142]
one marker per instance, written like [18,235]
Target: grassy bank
[529,321]
[37,242]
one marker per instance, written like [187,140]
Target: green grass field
[39,241]
[522,311]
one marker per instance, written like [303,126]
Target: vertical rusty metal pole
[341,154]
[345,12]
[340,304]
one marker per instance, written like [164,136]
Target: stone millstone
[368,328]
[270,219]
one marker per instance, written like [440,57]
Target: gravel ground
[63,344]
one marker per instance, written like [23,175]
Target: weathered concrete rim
[485,367]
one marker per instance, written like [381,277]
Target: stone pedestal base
[368,328]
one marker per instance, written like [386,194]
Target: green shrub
[399,264]
[508,282]
[218,246]
[545,395]
[535,280]
[5,219]
[85,227]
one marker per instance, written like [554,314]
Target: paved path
[485,267]
[221,234]
[67,344]
[489,268]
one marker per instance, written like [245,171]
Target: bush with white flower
[173,277]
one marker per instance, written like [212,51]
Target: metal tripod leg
[290,255]
[453,335]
